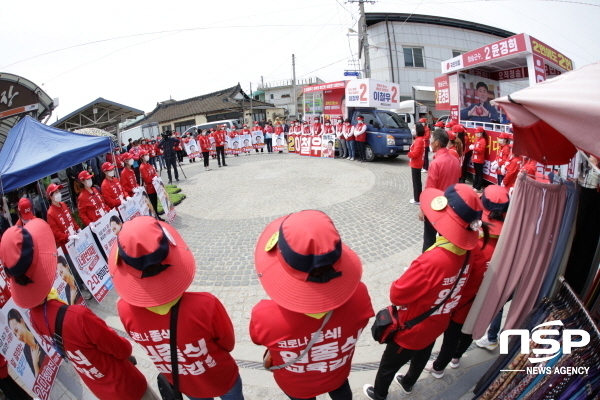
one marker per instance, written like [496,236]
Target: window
[413,57]
[393,121]
[184,125]
[369,117]
[456,53]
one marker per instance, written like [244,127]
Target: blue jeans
[350,144]
[235,393]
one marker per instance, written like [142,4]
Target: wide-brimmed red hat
[29,258]
[83,175]
[152,269]
[504,135]
[25,208]
[292,247]
[144,152]
[53,187]
[450,124]
[107,166]
[455,213]
[494,198]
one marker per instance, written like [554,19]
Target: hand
[421,215]
[503,170]
[35,354]
[471,147]
[73,237]
[127,198]
[137,189]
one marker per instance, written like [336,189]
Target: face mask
[110,173]
[146,158]
[88,183]
[431,149]
[130,162]
[57,197]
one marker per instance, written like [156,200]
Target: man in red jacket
[90,204]
[112,193]
[128,181]
[360,135]
[96,352]
[151,273]
[220,144]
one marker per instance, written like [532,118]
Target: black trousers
[467,160]
[269,143]
[478,181]
[429,234]
[454,345]
[342,393]
[417,184]
[172,163]
[361,150]
[500,179]
[12,390]
[394,357]
[221,154]
[426,157]
[205,157]
[154,201]
[180,155]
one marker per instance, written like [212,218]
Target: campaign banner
[538,68]
[213,146]
[246,142]
[541,49]
[192,148]
[106,229]
[324,86]
[258,140]
[163,197]
[32,358]
[228,147]
[90,264]
[137,205]
[475,95]
[65,283]
[328,145]
[502,48]
[372,93]
[236,144]
[291,143]
[279,142]
[334,102]
[304,145]
[442,93]
[316,143]
[511,74]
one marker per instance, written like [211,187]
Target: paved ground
[227,208]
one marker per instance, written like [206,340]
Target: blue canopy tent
[33,151]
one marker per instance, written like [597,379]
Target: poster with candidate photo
[258,140]
[163,197]
[279,142]
[328,146]
[106,229]
[192,149]
[65,283]
[475,96]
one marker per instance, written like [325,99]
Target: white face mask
[130,162]
[110,173]
[431,149]
[57,197]
[146,158]
[88,183]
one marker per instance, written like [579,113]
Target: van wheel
[393,155]
[369,153]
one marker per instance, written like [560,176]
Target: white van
[229,123]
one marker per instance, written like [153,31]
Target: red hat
[126,156]
[245,125]
[152,269]
[25,208]
[439,124]
[316,118]
[144,152]
[305,122]
[107,166]
[423,120]
[53,187]
[451,135]
[494,198]
[29,258]
[293,246]
[458,128]
[256,122]
[504,135]
[455,213]
[479,129]
[360,117]
[83,175]
[450,124]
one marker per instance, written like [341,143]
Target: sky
[139,53]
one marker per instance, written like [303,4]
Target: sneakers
[347,158]
[424,170]
[436,374]
[405,388]
[412,201]
[352,159]
[484,343]
[369,391]
[455,363]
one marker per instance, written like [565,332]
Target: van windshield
[392,121]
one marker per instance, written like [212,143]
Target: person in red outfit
[415,154]
[478,157]
[95,351]
[25,209]
[316,128]
[148,174]
[511,171]
[360,135]
[502,155]
[90,204]
[112,193]
[220,145]
[59,218]
[306,129]
[128,181]
[247,135]
[257,130]
[204,142]
[495,203]
[151,273]
[426,138]
[278,132]
[313,279]
[436,277]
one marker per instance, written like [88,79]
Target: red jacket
[205,339]
[114,160]
[443,171]
[147,173]
[327,365]
[360,132]
[478,156]
[89,206]
[219,138]
[60,219]
[204,142]
[111,190]
[316,128]
[233,133]
[158,150]
[427,134]
[416,153]
[128,181]
[96,352]
[502,155]
[512,170]
[425,282]
[328,129]
[454,153]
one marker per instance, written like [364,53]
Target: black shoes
[407,389]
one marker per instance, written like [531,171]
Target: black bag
[168,391]
[387,323]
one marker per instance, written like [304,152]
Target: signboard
[137,205]
[538,68]
[351,73]
[279,142]
[163,197]
[442,93]
[334,101]
[65,283]
[192,149]
[14,96]
[452,64]
[502,48]
[18,110]
[90,264]
[316,144]
[106,229]
[541,49]
[328,145]
[511,74]
[304,145]
[372,93]
[291,143]
[324,86]
[475,96]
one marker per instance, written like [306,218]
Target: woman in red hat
[433,279]
[478,157]
[502,155]
[313,279]
[151,274]
[417,150]
[90,204]
[495,203]
[148,174]
[128,179]
[112,193]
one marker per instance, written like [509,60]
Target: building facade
[281,94]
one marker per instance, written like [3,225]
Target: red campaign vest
[220,138]
[89,205]
[328,129]
[245,131]
[111,190]
[204,143]
[278,130]
[148,172]
[306,130]
[128,181]
[297,129]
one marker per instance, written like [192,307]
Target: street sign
[351,73]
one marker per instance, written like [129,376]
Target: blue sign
[351,73]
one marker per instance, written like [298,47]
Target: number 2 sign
[372,93]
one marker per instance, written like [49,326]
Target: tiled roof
[206,104]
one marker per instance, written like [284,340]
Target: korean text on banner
[304,145]
[442,93]
[315,145]
[90,264]
[372,93]
[505,47]
[65,283]
[291,143]
[106,229]
[278,142]
[328,146]
[137,205]
[549,54]
[163,197]
[33,360]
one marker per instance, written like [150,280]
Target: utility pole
[251,113]
[294,99]
[362,32]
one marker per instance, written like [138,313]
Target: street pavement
[227,208]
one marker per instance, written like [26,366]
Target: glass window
[413,57]
[369,117]
[184,125]
[272,97]
[456,53]
[393,121]
[408,57]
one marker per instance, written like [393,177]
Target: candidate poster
[291,143]
[475,96]
[213,146]
[106,229]
[258,140]
[228,147]
[328,146]
[163,197]
[236,144]
[137,205]
[279,142]
[246,142]
[65,283]
[191,148]
[90,264]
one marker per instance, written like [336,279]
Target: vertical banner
[258,140]
[163,197]
[213,146]
[328,146]
[442,93]
[65,282]
[315,146]
[106,229]
[90,264]
[291,145]
[228,144]
[539,68]
[454,114]
[279,142]
[236,144]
